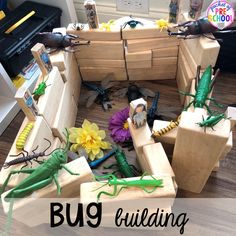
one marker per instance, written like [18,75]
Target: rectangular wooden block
[96,34]
[58,59]
[98,74]
[182,84]
[136,45]
[193,165]
[36,138]
[25,100]
[204,51]
[139,64]
[101,63]
[165,52]
[70,188]
[107,50]
[228,147]
[170,61]
[138,56]
[66,113]
[155,73]
[49,102]
[231,112]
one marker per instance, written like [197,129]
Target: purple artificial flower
[118,126]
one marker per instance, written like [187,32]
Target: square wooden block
[58,59]
[138,56]
[231,112]
[165,52]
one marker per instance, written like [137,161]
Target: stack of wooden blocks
[103,57]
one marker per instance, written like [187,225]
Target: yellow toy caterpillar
[168,128]
[20,143]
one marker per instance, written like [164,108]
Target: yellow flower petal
[100,154]
[102,134]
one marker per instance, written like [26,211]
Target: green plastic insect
[203,88]
[125,183]
[211,121]
[122,165]
[41,176]
[40,90]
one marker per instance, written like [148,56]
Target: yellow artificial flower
[162,24]
[90,138]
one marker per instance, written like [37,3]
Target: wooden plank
[70,187]
[102,50]
[136,45]
[101,63]
[138,56]
[170,61]
[98,74]
[139,64]
[165,52]
[193,165]
[49,102]
[58,59]
[36,138]
[231,112]
[228,147]
[96,34]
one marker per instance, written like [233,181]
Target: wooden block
[67,106]
[88,194]
[42,58]
[196,152]
[98,74]
[170,61]
[216,167]
[49,102]
[58,59]
[165,52]
[203,50]
[158,163]
[36,138]
[91,14]
[101,63]
[189,99]
[155,73]
[61,30]
[169,137]
[138,56]
[57,143]
[136,45]
[70,187]
[139,64]
[96,34]
[231,112]
[182,84]
[25,100]
[228,147]
[107,50]
[141,136]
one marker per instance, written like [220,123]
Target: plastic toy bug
[99,93]
[40,90]
[203,88]
[59,41]
[132,23]
[41,176]
[211,121]
[21,140]
[168,128]
[198,28]
[142,183]
[27,158]
[122,165]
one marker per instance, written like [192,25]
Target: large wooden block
[155,73]
[96,34]
[228,147]
[196,152]
[49,102]
[165,52]
[170,61]
[101,63]
[98,74]
[182,84]
[138,56]
[58,59]
[204,51]
[66,113]
[107,50]
[136,45]
[141,136]
[36,138]
[139,64]
[70,187]
[231,112]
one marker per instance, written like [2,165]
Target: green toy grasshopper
[40,90]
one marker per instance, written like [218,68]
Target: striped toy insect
[211,121]
[122,165]
[40,90]
[27,158]
[203,88]
[168,128]
[21,140]
[142,183]
[41,176]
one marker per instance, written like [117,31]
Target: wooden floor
[220,184]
